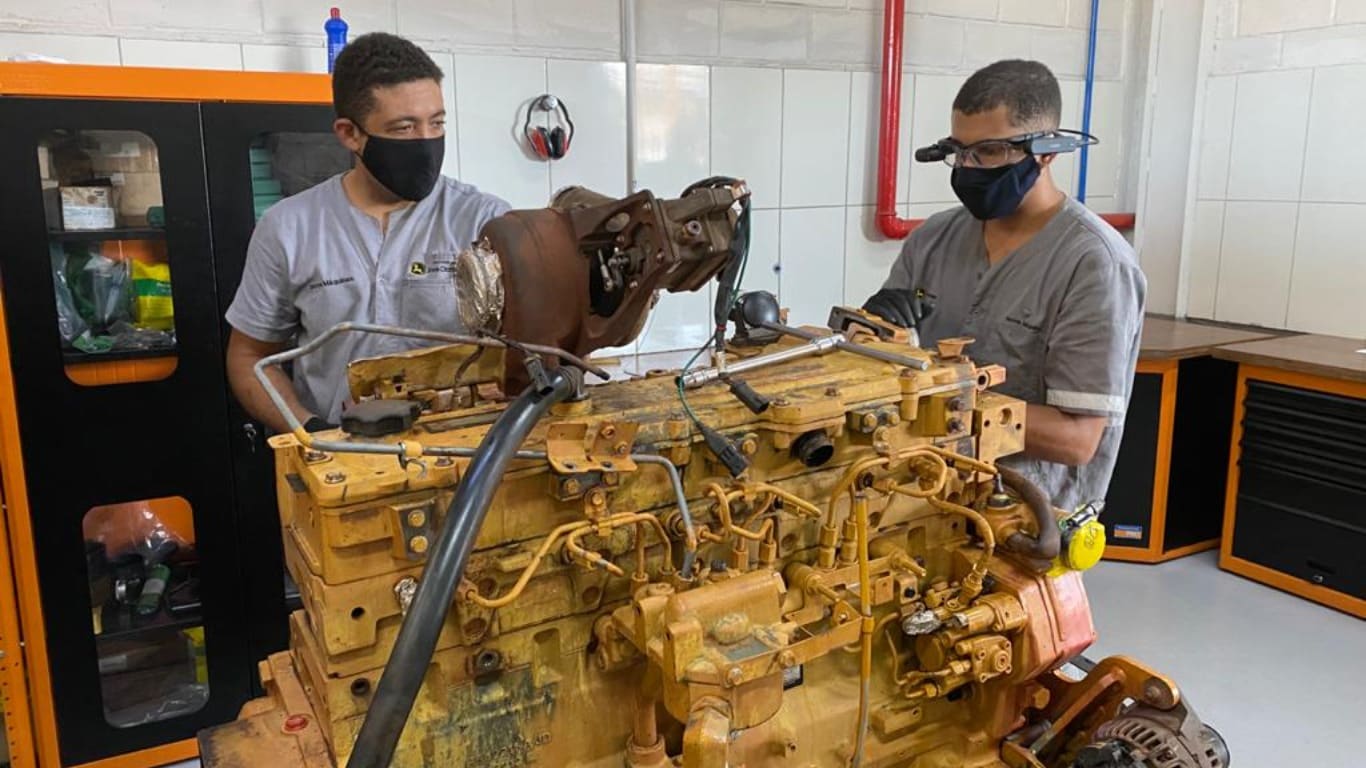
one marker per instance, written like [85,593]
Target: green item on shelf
[261,155]
[261,209]
[156,217]
[261,171]
[92,345]
[266,187]
[149,602]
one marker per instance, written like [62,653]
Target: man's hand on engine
[905,307]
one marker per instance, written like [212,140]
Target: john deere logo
[417,268]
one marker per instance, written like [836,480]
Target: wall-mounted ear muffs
[549,143]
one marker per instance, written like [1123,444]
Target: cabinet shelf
[95,235]
[161,621]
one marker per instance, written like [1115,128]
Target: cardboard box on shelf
[137,192]
[123,152]
[44,162]
[88,207]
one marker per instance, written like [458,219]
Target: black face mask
[407,167]
[993,193]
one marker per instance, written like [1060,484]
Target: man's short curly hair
[375,60]
[1027,89]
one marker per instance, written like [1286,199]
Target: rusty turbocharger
[584,273]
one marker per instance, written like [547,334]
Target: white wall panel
[812,279]
[1268,135]
[1206,239]
[865,121]
[672,142]
[868,256]
[492,94]
[1216,137]
[747,129]
[815,137]
[595,94]
[1334,167]
[77,49]
[1254,263]
[179,53]
[931,120]
[1329,276]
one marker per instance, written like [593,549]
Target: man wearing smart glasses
[1047,288]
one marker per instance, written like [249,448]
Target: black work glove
[905,307]
[318,424]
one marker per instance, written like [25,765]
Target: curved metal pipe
[417,638]
[1048,543]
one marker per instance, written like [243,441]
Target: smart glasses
[996,153]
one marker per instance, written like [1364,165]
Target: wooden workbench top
[1331,357]
[1168,339]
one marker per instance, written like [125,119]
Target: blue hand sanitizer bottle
[336,37]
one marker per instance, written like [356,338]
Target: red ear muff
[553,143]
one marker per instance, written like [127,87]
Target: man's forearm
[258,404]
[1062,438]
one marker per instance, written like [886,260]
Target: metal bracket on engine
[575,447]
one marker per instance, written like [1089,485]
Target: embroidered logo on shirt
[327,283]
[417,268]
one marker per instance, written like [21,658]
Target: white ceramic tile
[814,3]
[1345,44]
[296,18]
[226,15]
[595,94]
[765,263]
[1333,171]
[284,58]
[1207,234]
[1350,11]
[1110,50]
[1226,19]
[931,120]
[1106,204]
[934,41]
[868,255]
[815,137]
[672,149]
[1107,124]
[591,24]
[1052,13]
[846,37]
[492,94]
[476,22]
[671,28]
[1216,137]
[989,42]
[772,33]
[865,121]
[679,321]
[1254,263]
[1268,135]
[1329,276]
[1063,50]
[747,129]
[93,13]
[1111,14]
[964,9]
[812,279]
[1246,54]
[1259,17]
[179,53]
[76,49]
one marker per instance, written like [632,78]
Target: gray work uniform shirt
[1063,314]
[315,260]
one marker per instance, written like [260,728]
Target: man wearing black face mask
[1047,288]
[376,244]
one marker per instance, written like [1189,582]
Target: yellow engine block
[851,599]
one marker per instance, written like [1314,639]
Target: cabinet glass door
[117,363]
[257,155]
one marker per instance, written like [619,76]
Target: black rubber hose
[416,642]
[1049,541]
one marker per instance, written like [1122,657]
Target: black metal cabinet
[231,133]
[175,435]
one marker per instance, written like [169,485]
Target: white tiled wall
[781,93]
[1276,224]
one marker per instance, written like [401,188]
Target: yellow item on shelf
[152,307]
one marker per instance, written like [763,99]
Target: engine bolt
[749,447]
[597,498]
[445,461]
[417,518]
[418,544]
[571,487]
[869,421]
[332,478]
[787,659]
[608,431]
[621,449]
[312,456]
[734,676]
[832,392]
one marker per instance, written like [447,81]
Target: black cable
[417,638]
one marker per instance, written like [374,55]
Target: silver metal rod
[816,346]
[855,349]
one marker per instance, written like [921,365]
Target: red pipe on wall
[889,133]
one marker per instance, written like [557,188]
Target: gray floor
[1283,679]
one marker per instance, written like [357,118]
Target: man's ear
[1045,160]
[349,134]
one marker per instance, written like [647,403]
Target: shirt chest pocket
[429,303]
[1023,350]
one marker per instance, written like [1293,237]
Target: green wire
[711,336]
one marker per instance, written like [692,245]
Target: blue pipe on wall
[1086,100]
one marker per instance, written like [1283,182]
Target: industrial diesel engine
[798,551]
